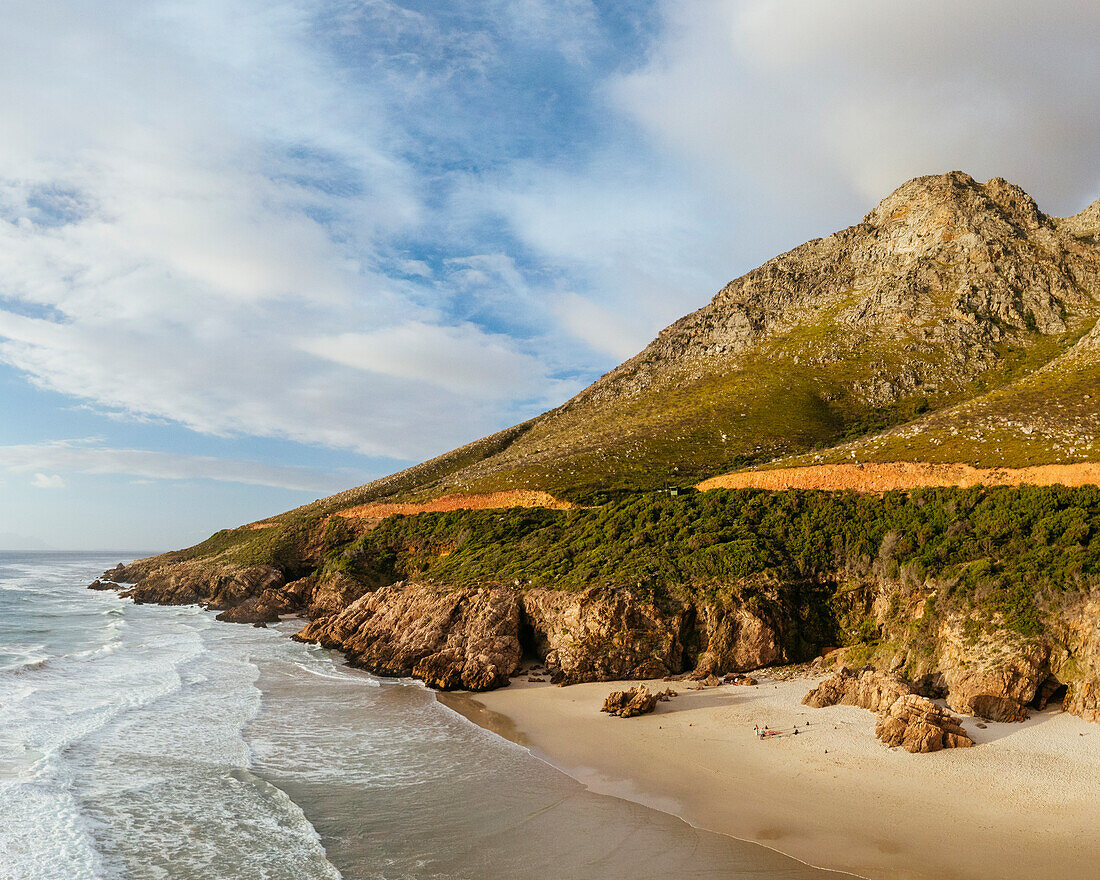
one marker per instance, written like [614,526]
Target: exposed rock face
[738,640]
[469,638]
[1079,664]
[189,583]
[1083,698]
[996,678]
[458,639]
[918,725]
[270,603]
[603,635]
[332,594]
[905,719]
[867,689]
[626,704]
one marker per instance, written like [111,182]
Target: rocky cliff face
[475,638]
[459,639]
[956,310]
[993,672]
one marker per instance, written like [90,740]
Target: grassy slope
[1046,416]
[796,393]
[714,417]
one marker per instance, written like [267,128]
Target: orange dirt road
[904,475]
[487,501]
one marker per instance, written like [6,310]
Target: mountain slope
[951,297]
[955,324]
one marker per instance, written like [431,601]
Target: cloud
[462,359]
[189,191]
[76,456]
[841,102]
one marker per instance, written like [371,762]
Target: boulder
[452,639]
[918,725]
[867,689]
[626,704]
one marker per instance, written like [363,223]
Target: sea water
[141,741]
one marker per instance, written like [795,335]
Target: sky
[253,252]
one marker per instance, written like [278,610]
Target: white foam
[22,657]
[43,835]
[121,750]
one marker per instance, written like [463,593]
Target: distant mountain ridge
[957,315]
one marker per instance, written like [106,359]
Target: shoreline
[1021,803]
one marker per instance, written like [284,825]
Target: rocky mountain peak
[1085,224]
[945,265]
[949,205]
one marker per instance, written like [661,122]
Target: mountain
[954,304]
[954,328]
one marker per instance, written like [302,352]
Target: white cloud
[84,457]
[462,359]
[187,190]
[843,101]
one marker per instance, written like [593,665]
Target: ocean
[149,742]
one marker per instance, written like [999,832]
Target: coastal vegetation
[955,326]
[1006,553]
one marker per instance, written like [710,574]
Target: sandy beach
[1025,802]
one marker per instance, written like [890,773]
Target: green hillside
[956,317]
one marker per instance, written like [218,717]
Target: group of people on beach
[765,731]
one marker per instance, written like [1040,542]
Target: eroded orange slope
[486,501]
[904,475]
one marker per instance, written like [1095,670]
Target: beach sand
[1025,802]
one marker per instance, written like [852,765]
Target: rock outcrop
[905,719]
[271,603]
[603,635]
[995,677]
[626,704]
[449,639]
[867,689]
[738,639]
[197,582]
[918,725]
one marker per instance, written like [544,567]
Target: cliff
[989,597]
[947,339]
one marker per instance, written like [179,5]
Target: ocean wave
[333,673]
[44,834]
[16,658]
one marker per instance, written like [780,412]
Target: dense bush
[1002,547]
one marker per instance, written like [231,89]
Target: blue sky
[253,252]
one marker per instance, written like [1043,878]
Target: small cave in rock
[693,640]
[1051,693]
[532,641]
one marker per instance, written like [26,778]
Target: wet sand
[1024,803]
